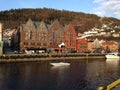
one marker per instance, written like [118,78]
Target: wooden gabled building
[41,36]
[70,37]
[81,45]
[32,36]
[56,35]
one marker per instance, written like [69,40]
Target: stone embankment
[54,56]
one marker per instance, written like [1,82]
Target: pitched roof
[65,27]
[35,24]
[56,23]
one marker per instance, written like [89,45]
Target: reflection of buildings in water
[1,78]
[102,72]
[95,72]
[114,62]
[61,73]
[69,75]
[59,70]
[94,69]
[26,73]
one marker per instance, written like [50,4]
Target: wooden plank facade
[70,37]
[41,36]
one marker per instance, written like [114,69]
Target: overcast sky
[110,8]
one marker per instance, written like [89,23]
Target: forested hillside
[81,21]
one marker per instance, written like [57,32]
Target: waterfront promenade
[56,56]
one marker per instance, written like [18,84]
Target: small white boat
[60,64]
[112,56]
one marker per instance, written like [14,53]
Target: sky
[108,8]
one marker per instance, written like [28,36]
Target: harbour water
[80,75]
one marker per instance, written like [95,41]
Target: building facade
[39,36]
[70,37]
[112,45]
[90,43]
[81,45]
[31,36]
[56,35]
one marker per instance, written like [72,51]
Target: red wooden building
[81,45]
[70,37]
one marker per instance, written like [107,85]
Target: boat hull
[112,56]
[60,64]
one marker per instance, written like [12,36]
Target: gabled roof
[36,24]
[67,26]
[48,26]
[29,24]
[42,25]
[56,23]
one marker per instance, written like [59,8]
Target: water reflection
[61,73]
[80,75]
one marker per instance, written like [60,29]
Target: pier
[45,56]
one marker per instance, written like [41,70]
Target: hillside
[81,21]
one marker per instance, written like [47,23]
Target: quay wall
[45,56]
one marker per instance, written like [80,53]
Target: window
[25,43]
[44,44]
[32,36]
[33,43]
[26,34]
[80,46]
[39,44]
[85,46]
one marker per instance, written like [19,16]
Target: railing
[111,86]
